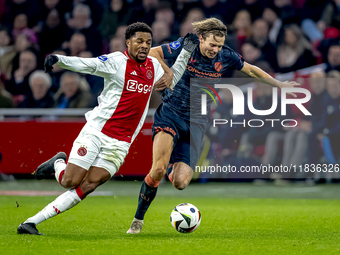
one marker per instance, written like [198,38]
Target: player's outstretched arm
[259,74]
[100,66]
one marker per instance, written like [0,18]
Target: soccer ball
[185,218]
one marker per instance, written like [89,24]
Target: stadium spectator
[241,27]
[333,58]
[274,23]
[7,54]
[20,26]
[329,125]
[5,98]
[193,15]
[18,84]
[165,13]
[251,52]
[268,135]
[260,30]
[161,31]
[317,109]
[310,15]
[213,8]
[295,146]
[330,16]
[121,31]
[15,7]
[77,44]
[41,96]
[255,8]
[145,12]
[295,51]
[81,22]
[118,14]
[117,44]
[287,13]
[71,94]
[51,35]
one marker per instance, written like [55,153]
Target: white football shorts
[93,148]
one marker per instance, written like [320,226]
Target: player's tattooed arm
[166,80]
[259,74]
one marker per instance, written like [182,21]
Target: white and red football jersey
[124,101]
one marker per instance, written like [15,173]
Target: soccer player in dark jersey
[179,127]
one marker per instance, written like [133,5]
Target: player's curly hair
[210,26]
[137,27]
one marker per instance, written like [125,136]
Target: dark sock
[146,195]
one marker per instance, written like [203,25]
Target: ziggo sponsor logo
[133,85]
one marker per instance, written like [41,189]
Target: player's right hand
[50,60]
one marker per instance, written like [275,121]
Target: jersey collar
[145,63]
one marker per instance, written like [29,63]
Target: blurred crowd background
[280,36]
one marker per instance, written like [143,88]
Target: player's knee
[180,184]
[69,183]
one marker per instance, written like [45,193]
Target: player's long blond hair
[210,26]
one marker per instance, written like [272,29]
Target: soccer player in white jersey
[111,127]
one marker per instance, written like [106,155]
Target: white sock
[62,203]
[135,219]
[59,166]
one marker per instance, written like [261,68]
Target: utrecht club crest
[218,66]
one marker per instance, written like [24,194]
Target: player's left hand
[289,84]
[164,82]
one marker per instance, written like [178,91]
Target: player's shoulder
[154,60]
[228,52]
[115,56]
[155,63]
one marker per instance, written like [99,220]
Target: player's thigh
[95,177]
[84,151]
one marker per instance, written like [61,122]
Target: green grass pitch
[236,219]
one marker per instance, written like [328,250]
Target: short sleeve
[173,49]
[235,60]
[159,72]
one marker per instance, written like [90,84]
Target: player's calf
[157,172]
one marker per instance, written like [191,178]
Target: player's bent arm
[94,66]
[259,74]
[166,80]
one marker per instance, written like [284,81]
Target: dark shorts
[188,136]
